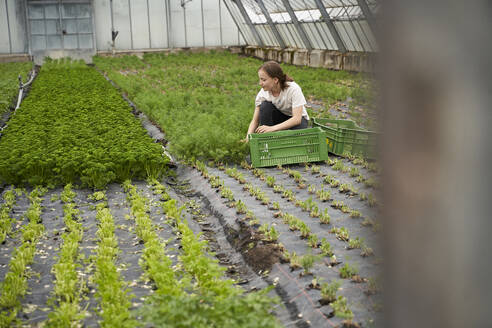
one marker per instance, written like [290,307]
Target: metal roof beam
[331,26]
[270,22]
[256,35]
[367,14]
[298,26]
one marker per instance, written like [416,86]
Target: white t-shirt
[290,97]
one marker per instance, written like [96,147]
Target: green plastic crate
[344,136]
[287,147]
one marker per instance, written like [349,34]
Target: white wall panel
[194,27]
[4,33]
[122,24]
[212,22]
[158,26]
[140,24]
[102,20]
[178,36]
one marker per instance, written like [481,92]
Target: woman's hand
[264,129]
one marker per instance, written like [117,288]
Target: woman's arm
[254,122]
[296,119]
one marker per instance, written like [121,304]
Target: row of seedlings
[14,286]
[112,292]
[68,285]
[328,290]
[195,291]
[6,220]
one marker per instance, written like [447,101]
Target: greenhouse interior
[245,163]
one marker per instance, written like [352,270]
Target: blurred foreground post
[437,107]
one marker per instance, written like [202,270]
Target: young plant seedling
[315,169]
[276,206]
[325,248]
[347,271]
[307,262]
[354,171]
[270,181]
[323,195]
[341,309]
[313,241]
[366,251]
[355,214]
[329,292]
[324,218]
[341,233]
[311,189]
[240,207]
[356,243]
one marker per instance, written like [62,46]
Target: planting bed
[210,242]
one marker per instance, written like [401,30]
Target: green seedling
[307,262]
[305,230]
[311,189]
[241,207]
[216,182]
[345,209]
[347,188]
[323,195]
[338,165]
[315,212]
[367,222]
[341,309]
[337,204]
[325,248]
[362,196]
[329,291]
[270,181]
[373,286]
[276,206]
[347,271]
[324,217]
[315,169]
[372,200]
[226,193]
[360,178]
[356,243]
[278,189]
[313,241]
[371,183]
[341,233]
[355,214]
[366,251]
[354,171]
[295,261]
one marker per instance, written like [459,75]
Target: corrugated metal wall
[142,24]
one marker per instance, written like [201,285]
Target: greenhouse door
[60,29]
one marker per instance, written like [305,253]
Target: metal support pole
[298,26]
[203,24]
[8,25]
[220,24]
[148,25]
[248,21]
[168,24]
[130,18]
[272,25]
[331,26]
[367,14]
[239,32]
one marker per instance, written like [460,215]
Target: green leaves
[75,127]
